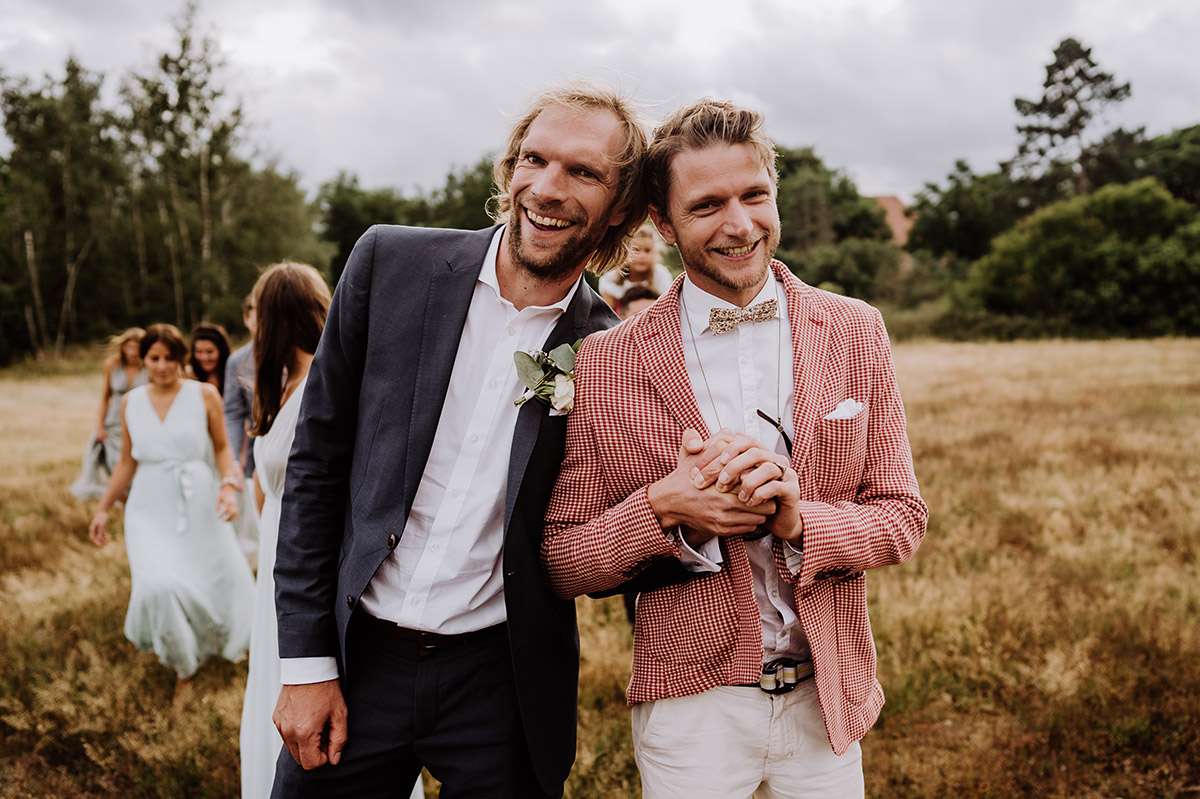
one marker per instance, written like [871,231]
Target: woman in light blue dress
[192,588]
[122,371]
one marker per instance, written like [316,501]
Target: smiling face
[161,366]
[721,213]
[206,355]
[563,189]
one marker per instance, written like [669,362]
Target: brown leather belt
[428,640]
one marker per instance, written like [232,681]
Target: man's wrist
[657,496]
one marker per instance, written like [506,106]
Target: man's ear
[618,217]
[663,223]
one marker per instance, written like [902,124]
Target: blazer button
[392,541]
[350,601]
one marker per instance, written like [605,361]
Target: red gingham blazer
[860,503]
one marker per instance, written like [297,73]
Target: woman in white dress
[291,301]
[192,587]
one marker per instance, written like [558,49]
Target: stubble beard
[696,259]
[554,264]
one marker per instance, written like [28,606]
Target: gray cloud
[892,91]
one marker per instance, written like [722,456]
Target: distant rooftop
[896,220]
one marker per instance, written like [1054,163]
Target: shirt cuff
[302,671]
[793,557]
[707,559]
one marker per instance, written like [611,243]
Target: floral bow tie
[722,320]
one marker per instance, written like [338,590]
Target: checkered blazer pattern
[860,503]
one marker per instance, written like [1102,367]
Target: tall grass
[1045,640]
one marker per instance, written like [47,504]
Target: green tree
[821,207]
[852,267]
[959,220]
[346,211]
[1075,91]
[1175,160]
[183,129]
[62,171]
[1121,261]
[463,201]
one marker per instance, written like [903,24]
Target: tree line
[151,211]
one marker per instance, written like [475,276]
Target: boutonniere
[549,376]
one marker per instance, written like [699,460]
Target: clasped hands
[727,485]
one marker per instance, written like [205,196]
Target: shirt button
[456,492]
[512,331]
[414,601]
[436,548]
[475,439]
[492,383]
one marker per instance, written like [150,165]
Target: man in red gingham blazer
[848,494]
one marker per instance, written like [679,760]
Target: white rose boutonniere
[549,376]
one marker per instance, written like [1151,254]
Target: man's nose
[737,222]
[550,185]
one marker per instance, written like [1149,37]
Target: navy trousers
[452,709]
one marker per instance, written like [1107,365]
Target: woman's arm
[105,398]
[226,499]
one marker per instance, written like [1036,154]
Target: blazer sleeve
[313,517]
[884,521]
[591,545]
[236,410]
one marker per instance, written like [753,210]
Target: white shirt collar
[487,275]
[697,302]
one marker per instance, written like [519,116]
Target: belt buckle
[427,640]
[782,675]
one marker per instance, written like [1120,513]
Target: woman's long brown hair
[291,300]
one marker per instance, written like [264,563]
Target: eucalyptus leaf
[563,357]
[527,369]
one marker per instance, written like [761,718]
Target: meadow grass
[1044,641]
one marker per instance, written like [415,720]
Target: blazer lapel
[572,325]
[810,342]
[661,353]
[450,290]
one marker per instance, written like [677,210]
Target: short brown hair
[167,335]
[702,124]
[584,95]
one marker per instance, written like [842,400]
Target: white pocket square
[846,409]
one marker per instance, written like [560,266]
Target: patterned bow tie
[722,320]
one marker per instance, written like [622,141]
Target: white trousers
[739,742]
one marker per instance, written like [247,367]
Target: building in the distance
[900,224]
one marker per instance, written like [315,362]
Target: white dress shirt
[446,574]
[733,376]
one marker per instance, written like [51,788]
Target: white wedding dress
[260,740]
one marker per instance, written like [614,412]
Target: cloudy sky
[401,92]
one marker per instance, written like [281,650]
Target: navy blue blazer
[370,409]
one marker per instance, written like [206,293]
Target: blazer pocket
[689,624]
[856,647]
[840,456]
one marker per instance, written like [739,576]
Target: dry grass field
[1044,642]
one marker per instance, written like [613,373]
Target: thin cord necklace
[777,423]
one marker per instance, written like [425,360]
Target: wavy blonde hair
[586,95]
